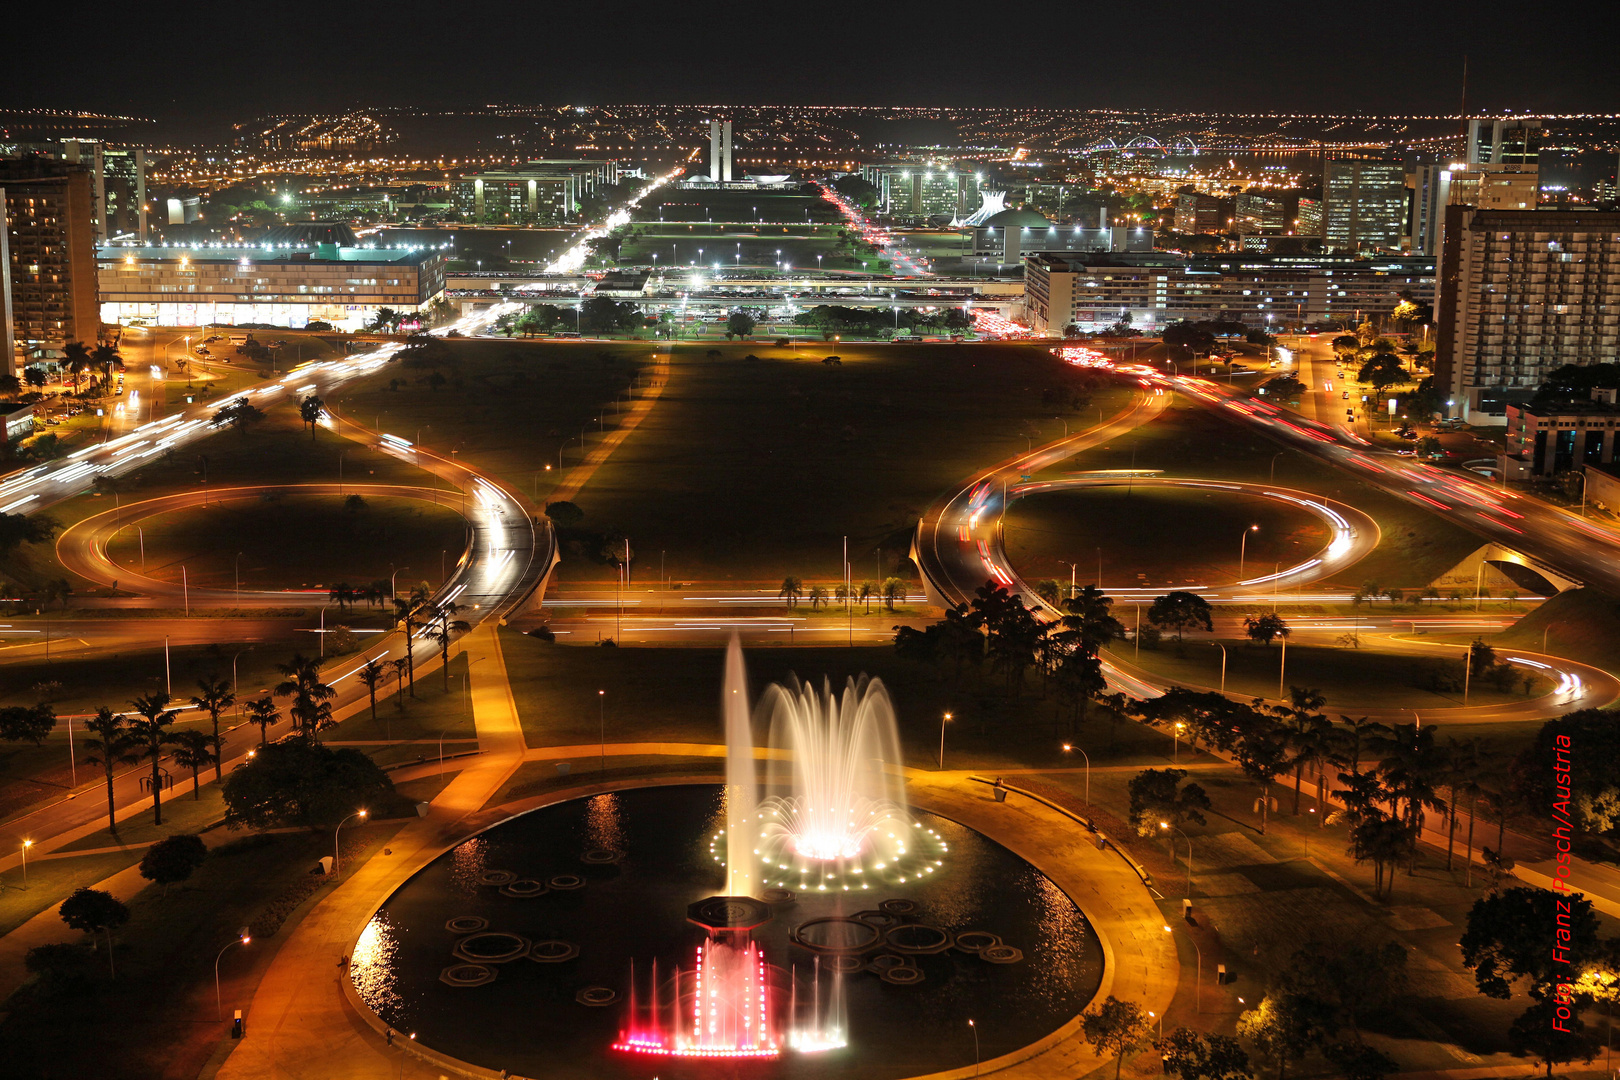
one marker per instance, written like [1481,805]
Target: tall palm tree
[441,634]
[195,750]
[215,698]
[106,358]
[76,359]
[370,677]
[1412,767]
[399,665]
[150,733]
[263,711]
[408,608]
[1464,768]
[792,589]
[113,746]
[1307,731]
[311,703]
[1354,735]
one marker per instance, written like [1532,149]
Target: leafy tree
[299,782]
[63,969]
[240,414]
[112,746]
[94,911]
[263,711]
[1193,1056]
[1543,1032]
[1381,370]
[1509,938]
[1266,628]
[27,723]
[1282,1028]
[19,529]
[740,323]
[1262,754]
[1114,1027]
[150,733]
[1189,335]
[1285,386]
[214,697]
[1181,611]
[564,515]
[1011,629]
[195,750]
[1356,1061]
[1350,980]
[1157,795]
[1594,794]
[173,859]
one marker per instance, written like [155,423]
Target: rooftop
[287,253]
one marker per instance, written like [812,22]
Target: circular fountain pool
[900,1007]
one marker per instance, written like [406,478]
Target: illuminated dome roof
[1017,219]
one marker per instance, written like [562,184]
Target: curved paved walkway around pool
[304,1023]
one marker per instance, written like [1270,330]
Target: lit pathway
[580,474]
[301,1025]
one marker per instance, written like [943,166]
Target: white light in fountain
[834,815]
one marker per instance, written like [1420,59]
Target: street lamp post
[1243,546]
[237,570]
[942,721]
[1198,987]
[1067,747]
[601,725]
[242,938]
[392,591]
[1184,836]
[336,854]
[975,1028]
[26,844]
[1222,647]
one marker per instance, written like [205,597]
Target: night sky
[179,61]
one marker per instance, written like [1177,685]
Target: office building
[1256,213]
[1363,205]
[283,286]
[536,193]
[117,182]
[51,256]
[915,192]
[1197,213]
[1152,289]
[1556,438]
[1522,292]
[1005,238]
[8,333]
[1308,217]
[1501,171]
[182,209]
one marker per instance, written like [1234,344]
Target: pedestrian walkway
[302,1023]
[572,484]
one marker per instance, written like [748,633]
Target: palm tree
[150,732]
[309,410]
[1354,735]
[342,594]
[1307,732]
[370,676]
[263,711]
[311,698]
[106,358]
[214,699]
[194,750]
[792,589]
[399,667]
[76,358]
[868,591]
[818,597]
[442,632]
[407,610]
[1411,769]
[1464,769]
[110,748]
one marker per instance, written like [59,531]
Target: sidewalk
[301,1023]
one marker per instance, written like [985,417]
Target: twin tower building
[720,151]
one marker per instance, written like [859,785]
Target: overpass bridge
[799,284]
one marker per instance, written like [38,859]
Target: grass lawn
[757,246]
[510,407]
[434,710]
[1348,678]
[753,470]
[674,695]
[1582,624]
[49,880]
[156,1019]
[703,208]
[293,541]
[278,449]
[181,814]
[1165,536]
[1189,440]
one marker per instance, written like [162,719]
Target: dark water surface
[528,1022]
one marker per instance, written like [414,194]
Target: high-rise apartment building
[51,261]
[1256,213]
[117,182]
[1501,172]
[1364,204]
[1522,292]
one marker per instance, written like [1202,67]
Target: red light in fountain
[725,1013]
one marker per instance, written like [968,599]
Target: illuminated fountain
[834,817]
